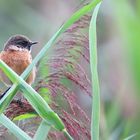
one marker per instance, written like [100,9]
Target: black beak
[33,43]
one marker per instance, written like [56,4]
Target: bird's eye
[23,43]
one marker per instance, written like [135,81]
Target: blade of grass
[13,128]
[42,131]
[130,137]
[40,55]
[67,135]
[94,73]
[25,116]
[116,132]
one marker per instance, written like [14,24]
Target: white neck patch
[15,48]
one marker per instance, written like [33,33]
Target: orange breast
[18,61]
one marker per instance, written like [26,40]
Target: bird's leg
[1,96]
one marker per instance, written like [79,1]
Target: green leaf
[42,131]
[13,128]
[130,137]
[94,74]
[25,116]
[45,93]
[67,135]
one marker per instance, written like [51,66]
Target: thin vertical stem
[94,73]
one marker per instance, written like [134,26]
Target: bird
[17,55]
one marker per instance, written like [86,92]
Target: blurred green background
[118,28]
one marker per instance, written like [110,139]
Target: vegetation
[50,119]
[79,93]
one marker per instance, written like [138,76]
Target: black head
[19,41]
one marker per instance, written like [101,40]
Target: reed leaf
[42,131]
[13,128]
[94,73]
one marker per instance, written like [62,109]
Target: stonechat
[17,55]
